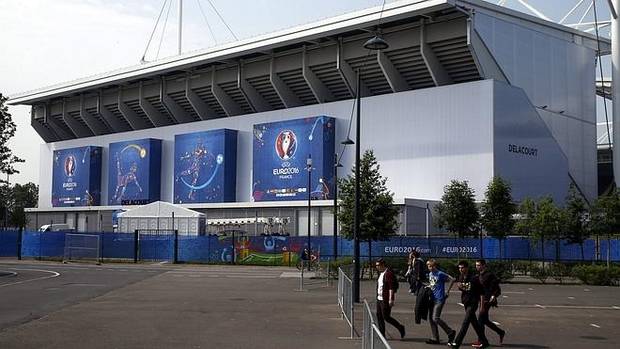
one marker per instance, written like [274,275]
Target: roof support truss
[45,133]
[76,127]
[347,74]
[157,118]
[113,122]
[136,122]
[320,92]
[396,81]
[61,131]
[438,72]
[228,104]
[91,120]
[202,109]
[178,113]
[258,103]
[287,96]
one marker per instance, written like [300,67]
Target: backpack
[395,283]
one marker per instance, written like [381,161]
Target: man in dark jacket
[488,298]
[471,289]
[385,298]
[416,275]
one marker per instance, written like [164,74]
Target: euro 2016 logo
[286,144]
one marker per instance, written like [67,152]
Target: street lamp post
[309,168]
[336,165]
[375,43]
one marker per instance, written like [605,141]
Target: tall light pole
[336,165]
[376,43]
[309,168]
[614,6]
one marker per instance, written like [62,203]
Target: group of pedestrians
[479,294]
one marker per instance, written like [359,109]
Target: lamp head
[347,141]
[376,43]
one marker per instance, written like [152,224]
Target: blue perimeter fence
[286,250]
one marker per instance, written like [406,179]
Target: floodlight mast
[614,5]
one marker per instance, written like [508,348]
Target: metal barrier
[371,336]
[345,299]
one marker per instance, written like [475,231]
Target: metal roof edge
[349,21]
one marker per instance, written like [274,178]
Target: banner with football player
[134,172]
[205,166]
[281,151]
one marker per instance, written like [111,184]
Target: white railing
[345,299]
[371,336]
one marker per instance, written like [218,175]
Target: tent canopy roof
[161,209]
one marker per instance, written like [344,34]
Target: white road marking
[531,289]
[586,290]
[584,307]
[595,325]
[504,296]
[571,297]
[461,304]
[496,323]
[615,307]
[54,274]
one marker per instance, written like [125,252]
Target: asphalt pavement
[53,305]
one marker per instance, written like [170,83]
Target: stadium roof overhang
[432,43]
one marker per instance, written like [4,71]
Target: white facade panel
[423,139]
[558,77]
[526,154]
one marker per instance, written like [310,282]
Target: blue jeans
[435,320]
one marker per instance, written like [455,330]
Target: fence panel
[9,243]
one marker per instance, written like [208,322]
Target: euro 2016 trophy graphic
[76,177]
[281,150]
[127,178]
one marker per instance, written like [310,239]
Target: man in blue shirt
[437,280]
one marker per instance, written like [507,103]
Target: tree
[457,211]
[575,230]
[7,131]
[605,217]
[24,196]
[547,222]
[497,210]
[378,214]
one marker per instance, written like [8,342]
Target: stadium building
[466,90]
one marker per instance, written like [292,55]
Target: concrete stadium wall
[422,139]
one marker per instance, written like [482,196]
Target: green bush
[502,269]
[521,267]
[597,274]
[559,271]
[539,273]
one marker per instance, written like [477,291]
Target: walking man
[471,289]
[416,274]
[385,298]
[437,280]
[488,298]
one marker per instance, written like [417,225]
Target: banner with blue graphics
[76,177]
[281,150]
[205,166]
[134,176]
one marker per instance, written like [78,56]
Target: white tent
[159,216]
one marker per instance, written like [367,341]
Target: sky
[45,42]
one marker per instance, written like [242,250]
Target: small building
[162,215]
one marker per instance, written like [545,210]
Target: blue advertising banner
[134,175]
[205,166]
[281,150]
[76,177]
